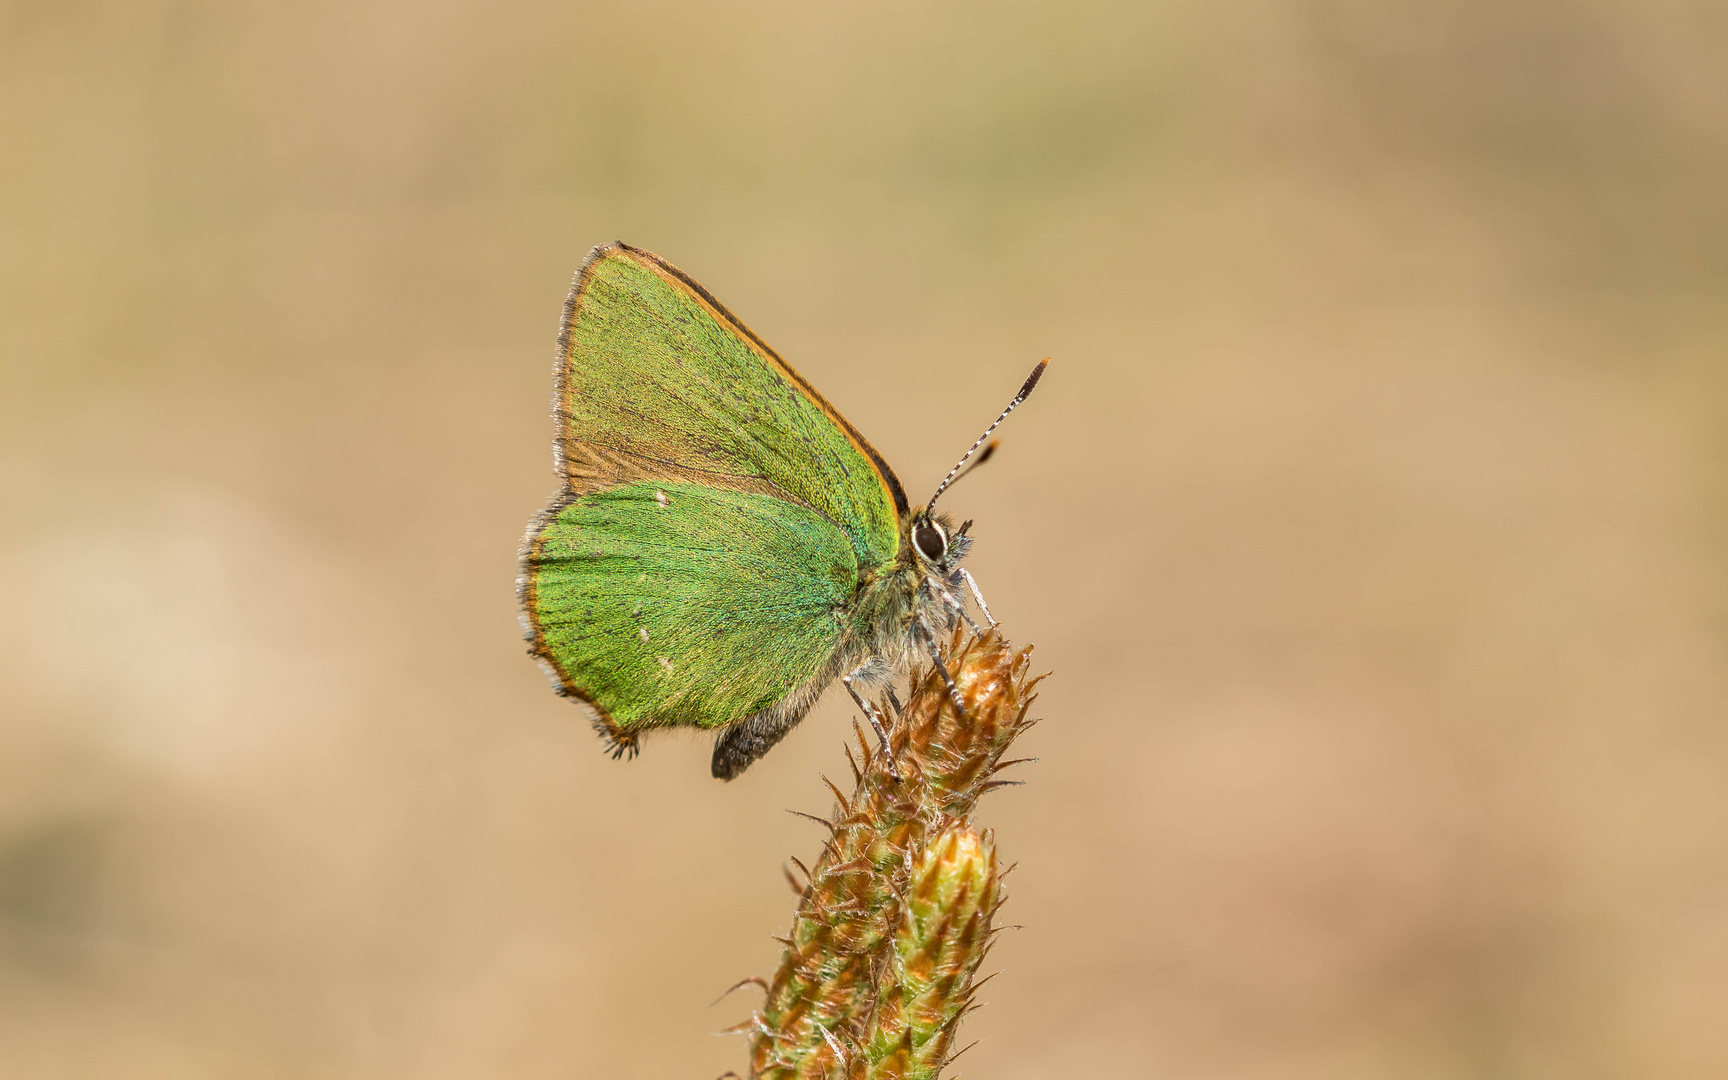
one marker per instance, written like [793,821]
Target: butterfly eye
[932,544]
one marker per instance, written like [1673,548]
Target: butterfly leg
[978,595]
[921,629]
[894,700]
[960,610]
[873,714]
[942,593]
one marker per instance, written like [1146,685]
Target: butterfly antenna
[954,473]
[984,455]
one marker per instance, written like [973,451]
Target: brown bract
[896,914]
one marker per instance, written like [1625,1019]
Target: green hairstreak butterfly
[724,543]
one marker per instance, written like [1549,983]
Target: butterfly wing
[655,376]
[684,603]
[716,516]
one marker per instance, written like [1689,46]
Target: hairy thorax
[896,596]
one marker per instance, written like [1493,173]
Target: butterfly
[724,544]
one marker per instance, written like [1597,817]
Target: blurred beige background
[1371,518]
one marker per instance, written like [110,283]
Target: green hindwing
[682,604]
[717,514]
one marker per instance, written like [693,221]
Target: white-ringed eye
[931,540]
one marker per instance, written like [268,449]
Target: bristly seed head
[896,914]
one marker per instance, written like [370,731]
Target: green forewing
[656,369]
[685,604]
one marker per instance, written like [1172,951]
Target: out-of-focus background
[1372,518]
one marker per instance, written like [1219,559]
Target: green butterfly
[725,544]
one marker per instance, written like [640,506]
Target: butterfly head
[934,541]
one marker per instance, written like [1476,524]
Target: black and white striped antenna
[955,473]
